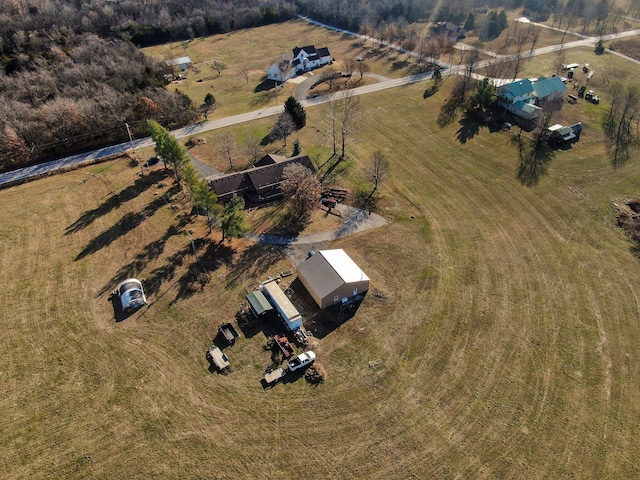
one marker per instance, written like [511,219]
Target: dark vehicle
[228,333]
[152,161]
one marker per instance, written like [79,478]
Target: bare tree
[227,147]
[218,66]
[349,65]
[253,147]
[350,110]
[621,137]
[378,172]
[329,76]
[301,188]
[244,73]
[362,68]
[283,127]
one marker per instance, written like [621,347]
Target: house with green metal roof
[524,98]
[549,89]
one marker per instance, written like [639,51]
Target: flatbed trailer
[274,375]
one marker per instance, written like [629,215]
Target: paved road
[24,174]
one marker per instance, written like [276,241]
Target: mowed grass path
[503,339]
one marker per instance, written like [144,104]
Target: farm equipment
[591,97]
[284,345]
[228,333]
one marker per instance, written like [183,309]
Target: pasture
[499,341]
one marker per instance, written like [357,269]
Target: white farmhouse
[299,61]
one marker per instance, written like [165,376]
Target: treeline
[71,75]
[67,92]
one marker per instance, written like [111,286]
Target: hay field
[502,342]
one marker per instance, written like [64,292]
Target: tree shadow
[448,113]
[399,64]
[265,86]
[114,201]
[469,128]
[253,263]
[535,157]
[151,251]
[126,224]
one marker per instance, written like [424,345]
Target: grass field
[253,51]
[502,342]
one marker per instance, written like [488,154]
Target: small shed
[181,62]
[330,276]
[286,309]
[258,303]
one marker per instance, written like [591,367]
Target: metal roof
[545,87]
[346,268]
[259,302]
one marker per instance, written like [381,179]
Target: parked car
[131,295]
[301,361]
[151,161]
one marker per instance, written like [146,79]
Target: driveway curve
[354,220]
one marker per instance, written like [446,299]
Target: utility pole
[133,148]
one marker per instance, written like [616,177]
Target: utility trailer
[274,376]
[218,359]
[228,333]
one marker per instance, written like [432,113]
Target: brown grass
[500,340]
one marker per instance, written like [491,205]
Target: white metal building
[277,298]
[331,276]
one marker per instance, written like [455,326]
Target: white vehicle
[302,360]
[131,295]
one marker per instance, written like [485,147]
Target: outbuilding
[332,277]
[288,312]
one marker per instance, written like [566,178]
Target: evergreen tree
[294,108]
[232,222]
[470,23]
[296,148]
[168,148]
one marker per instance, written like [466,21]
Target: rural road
[24,174]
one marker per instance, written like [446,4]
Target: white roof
[179,61]
[343,265]
[555,127]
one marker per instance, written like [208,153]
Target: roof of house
[329,269]
[323,52]
[269,159]
[517,88]
[545,87]
[179,61]
[309,50]
[268,172]
[229,184]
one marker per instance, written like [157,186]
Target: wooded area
[71,75]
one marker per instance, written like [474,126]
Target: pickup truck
[301,360]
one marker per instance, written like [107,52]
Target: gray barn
[331,276]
